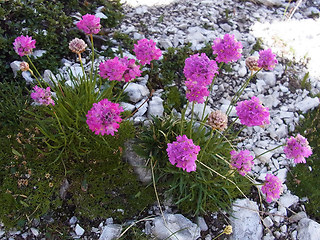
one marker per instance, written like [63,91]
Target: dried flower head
[200,69]
[297,148]
[50,184]
[24,66]
[42,96]
[90,24]
[104,117]
[47,175]
[183,153]
[267,60]
[272,187]
[196,92]
[252,63]
[24,45]
[228,230]
[146,51]
[252,113]
[242,161]
[77,45]
[227,49]
[218,120]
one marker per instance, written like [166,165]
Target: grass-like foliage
[304,180]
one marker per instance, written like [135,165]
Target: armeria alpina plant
[194,155]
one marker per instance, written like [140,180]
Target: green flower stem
[240,91]
[182,117]
[220,175]
[205,147]
[218,236]
[269,151]
[240,131]
[65,139]
[192,113]
[229,127]
[35,70]
[127,84]
[92,63]
[80,60]
[210,89]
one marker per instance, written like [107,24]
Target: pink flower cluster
[200,69]
[24,45]
[183,153]
[267,60]
[272,187]
[146,51]
[196,92]
[252,113]
[42,96]
[227,49]
[90,24]
[103,117]
[117,69]
[242,161]
[297,148]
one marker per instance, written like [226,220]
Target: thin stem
[80,60]
[182,117]
[205,147]
[127,84]
[35,70]
[190,126]
[269,151]
[92,49]
[218,236]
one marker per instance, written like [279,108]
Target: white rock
[79,230]
[143,108]
[38,53]
[267,222]
[127,106]
[202,224]
[73,220]
[110,232]
[136,92]
[155,107]
[265,158]
[284,228]
[268,236]
[48,77]
[308,229]
[271,3]
[245,222]
[297,217]
[165,43]
[282,131]
[2,233]
[198,110]
[307,104]
[101,15]
[226,27]
[27,76]
[141,10]
[35,231]
[183,228]
[282,174]
[268,77]
[242,71]
[288,200]
[15,66]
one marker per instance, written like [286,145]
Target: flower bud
[218,120]
[77,45]
[24,66]
[252,63]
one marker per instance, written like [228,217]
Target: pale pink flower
[42,96]
[297,148]
[242,161]
[77,45]
[272,187]
[24,45]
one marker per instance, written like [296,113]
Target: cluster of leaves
[304,179]
[50,23]
[194,192]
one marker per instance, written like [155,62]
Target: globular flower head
[104,117]
[272,187]
[90,24]
[252,113]
[196,92]
[24,66]
[112,69]
[132,70]
[297,148]
[183,153]
[227,49]
[267,60]
[24,45]
[146,51]
[77,45]
[218,120]
[252,63]
[242,161]
[42,96]
[200,69]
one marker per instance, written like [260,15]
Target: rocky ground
[297,40]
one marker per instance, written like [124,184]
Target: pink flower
[132,70]
[272,187]
[200,69]
[297,148]
[90,24]
[227,49]
[267,60]
[242,161]
[42,96]
[24,45]
[104,117]
[112,69]
[196,92]
[146,51]
[252,113]
[183,153]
